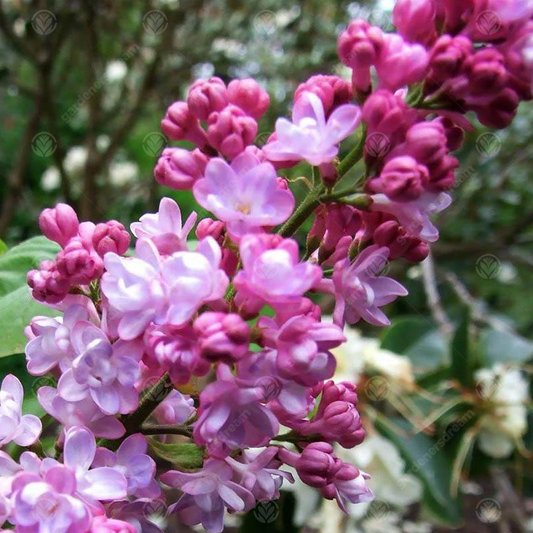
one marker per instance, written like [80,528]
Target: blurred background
[83,87]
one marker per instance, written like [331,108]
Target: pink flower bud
[248,95]
[59,224]
[111,237]
[222,337]
[454,134]
[359,47]
[180,124]
[417,251]
[231,130]
[207,96]
[427,142]
[486,72]
[333,91]
[208,227]
[415,20]
[102,524]
[47,284]
[178,168]
[402,179]
[447,58]
[79,263]
[341,422]
[500,111]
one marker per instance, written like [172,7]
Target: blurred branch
[512,503]
[18,43]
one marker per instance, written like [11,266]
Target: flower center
[244,208]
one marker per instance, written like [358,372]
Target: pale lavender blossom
[246,194]
[360,291]
[105,372]
[310,136]
[207,494]
[164,228]
[23,430]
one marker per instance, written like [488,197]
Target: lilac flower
[164,228]
[348,486]
[206,495]
[309,136]
[177,408]
[81,413]
[360,291]
[231,415]
[272,273]
[14,427]
[170,291]
[303,346]
[258,471]
[49,504]
[102,524]
[137,513]
[414,215]
[134,464]
[49,344]
[107,373]
[245,195]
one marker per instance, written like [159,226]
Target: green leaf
[17,262]
[185,455]
[504,347]
[17,307]
[428,459]
[419,340]
[3,247]
[463,365]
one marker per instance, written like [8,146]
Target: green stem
[295,437]
[354,156]
[303,211]
[148,429]
[148,403]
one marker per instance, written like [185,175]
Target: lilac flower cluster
[173,338]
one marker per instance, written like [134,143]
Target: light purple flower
[207,494]
[102,524]
[107,373]
[177,408]
[348,486]
[164,228]
[132,461]
[258,471]
[309,136]
[415,216]
[82,413]
[148,288]
[360,291]
[245,195]
[24,430]
[231,415]
[272,273]
[49,344]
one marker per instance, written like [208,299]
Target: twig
[148,429]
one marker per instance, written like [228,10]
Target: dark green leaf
[185,455]
[461,353]
[419,340]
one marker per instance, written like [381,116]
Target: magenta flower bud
[400,243]
[180,124]
[222,337]
[47,284]
[402,179]
[487,73]
[231,130]
[343,391]
[447,58]
[179,169]
[248,96]
[102,524]
[208,227]
[359,47]
[59,224]
[111,237]
[207,96]
[427,142]
[79,263]
[342,422]
[348,485]
[415,20]
[454,134]
[500,112]
[418,251]
[333,91]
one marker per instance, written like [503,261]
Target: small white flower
[121,173]
[116,70]
[75,159]
[51,179]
